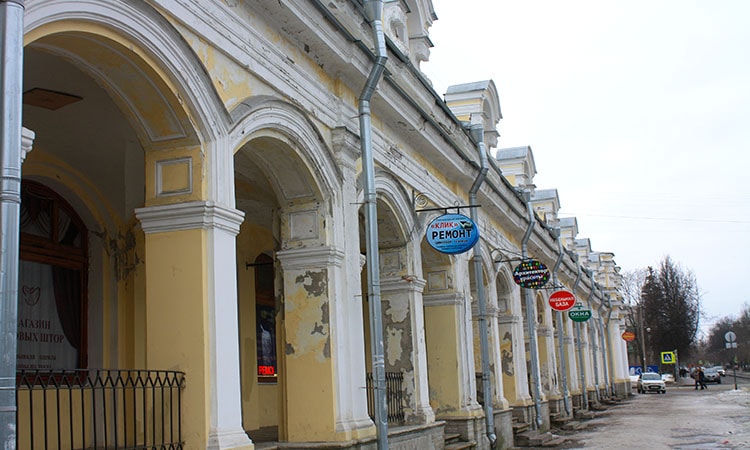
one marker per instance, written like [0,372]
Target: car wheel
[718,381]
[664,391]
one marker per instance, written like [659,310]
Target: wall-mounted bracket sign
[452,234]
[562,300]
[531,274]
[578,314]
[628,336]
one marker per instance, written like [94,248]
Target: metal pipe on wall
[477,131]
[592,340]
[374,12]
[560,334]
[579,344]
[11,49]
[530,319]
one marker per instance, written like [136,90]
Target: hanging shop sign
[579,314]
[628,336]
[531,274]
[452,234]
[562,300]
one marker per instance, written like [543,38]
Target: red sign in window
[268,371]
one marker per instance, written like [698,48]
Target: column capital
[304,258]
[189,216]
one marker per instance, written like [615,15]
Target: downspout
[477,131]
[593,341]
[579,346]
[610,358]
[374,12]
[11,49]
[530,319]
[560,337]
[605,350]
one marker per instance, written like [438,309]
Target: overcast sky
[637,111]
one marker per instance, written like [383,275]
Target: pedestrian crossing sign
[667,358]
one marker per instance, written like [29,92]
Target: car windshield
[651,376]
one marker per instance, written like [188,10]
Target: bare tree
[715,348]
[632,292]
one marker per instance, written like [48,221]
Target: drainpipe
[477,131]
[559,314]
[530,319]
[11,52]
[609,371]
[374,12]
[579,346]
[605,358]
[592,340]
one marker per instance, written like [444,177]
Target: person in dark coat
[700,378]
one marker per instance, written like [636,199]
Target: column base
[234,439]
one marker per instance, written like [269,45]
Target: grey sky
[637,112]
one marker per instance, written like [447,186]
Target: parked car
[633,381]
[667,377]
[721,370]
[651,382]
[712,375]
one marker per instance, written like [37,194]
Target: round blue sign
[452,233]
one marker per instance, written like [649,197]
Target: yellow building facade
[193,227]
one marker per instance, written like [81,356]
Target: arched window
[52,282]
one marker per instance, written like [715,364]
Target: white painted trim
[189,216]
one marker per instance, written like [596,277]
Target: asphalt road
[683,418]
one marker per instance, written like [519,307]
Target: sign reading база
[452,233]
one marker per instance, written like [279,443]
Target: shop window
[52,282]
[265,313]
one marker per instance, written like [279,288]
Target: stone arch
[316,174]
[160,62]
[147,68]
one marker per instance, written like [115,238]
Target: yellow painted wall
[260,403]
[308,368]
[177,321]
[441,335]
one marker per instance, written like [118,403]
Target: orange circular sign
[628,336]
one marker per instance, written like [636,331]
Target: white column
[404,313]
[221,225]
[225,432]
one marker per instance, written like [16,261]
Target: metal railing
[394,395]
[99,408]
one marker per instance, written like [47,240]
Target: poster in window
[266,339]
[48,317]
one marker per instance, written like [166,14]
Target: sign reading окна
[562,300]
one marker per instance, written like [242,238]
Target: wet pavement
[683,418]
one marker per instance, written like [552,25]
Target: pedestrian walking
[702,378]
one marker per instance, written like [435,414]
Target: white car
[651,382]
[667,377]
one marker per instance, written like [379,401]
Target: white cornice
[189,216]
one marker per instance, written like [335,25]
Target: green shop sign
[578,314]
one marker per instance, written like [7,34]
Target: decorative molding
[451,298]
[303,225]
[165,165]
[402,284]
[27,141]
[189,216]
[307,258]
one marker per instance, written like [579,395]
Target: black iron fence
[99,408]
[394,395]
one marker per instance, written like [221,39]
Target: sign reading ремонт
[452,234]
